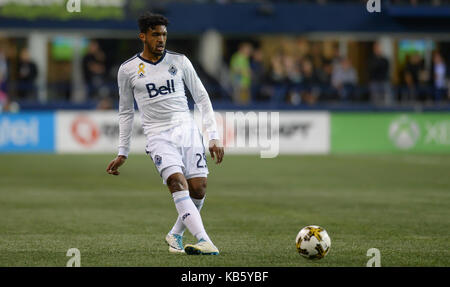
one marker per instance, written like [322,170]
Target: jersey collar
[150,62]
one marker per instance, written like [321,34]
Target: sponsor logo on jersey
[173,70]
[163,90]
[141,70]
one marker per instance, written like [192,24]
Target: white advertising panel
[94,132]
[305,132]
[291,132]
[242,132]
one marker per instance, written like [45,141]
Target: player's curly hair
[150,20]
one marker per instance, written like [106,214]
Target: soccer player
[154,78]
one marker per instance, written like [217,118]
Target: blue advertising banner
[27,132]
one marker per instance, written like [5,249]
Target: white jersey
[159,93]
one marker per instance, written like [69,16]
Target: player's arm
[203,102]
[126,115]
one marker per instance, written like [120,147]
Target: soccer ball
[313,242]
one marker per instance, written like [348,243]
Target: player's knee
[176,182]
[198,190]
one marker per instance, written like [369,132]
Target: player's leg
[174,239]
[168,160]
[196,172]
[197,192]
[190,216]
[197,189]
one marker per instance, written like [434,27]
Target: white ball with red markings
[313,242]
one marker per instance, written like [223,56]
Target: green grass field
[253,210]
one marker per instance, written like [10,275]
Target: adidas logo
[184,216]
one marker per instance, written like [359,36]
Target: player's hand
[216,150]
[114,165]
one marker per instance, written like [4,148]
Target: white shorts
[179,149]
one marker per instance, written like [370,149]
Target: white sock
[179,227]
[189,214]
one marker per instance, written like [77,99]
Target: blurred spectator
[3,77]
[294,80]
[3,72]
[439,79]
[241,73]
[26,76]
[344,78]
[418,77]
[379,86]
[3,101]
[336,57]
[413,66]
[275,81]
[292,70]
[276,74]
[95,74]
[6,105]
[310,82]
[324,75]
[257,75]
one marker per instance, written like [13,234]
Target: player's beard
[154,50]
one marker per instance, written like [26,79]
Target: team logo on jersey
[141,70]
[173,70]
[158,160]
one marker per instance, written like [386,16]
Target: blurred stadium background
[344,80]
[277,54]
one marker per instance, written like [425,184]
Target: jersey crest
[173,70]
[158,160]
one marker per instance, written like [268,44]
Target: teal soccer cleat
[175,242]
[201,248]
